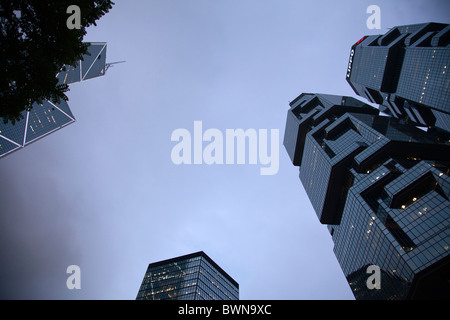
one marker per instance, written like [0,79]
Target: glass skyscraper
[48,117]
[380,183]
[190,277]
[405,71]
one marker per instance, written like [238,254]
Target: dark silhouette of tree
[35,43]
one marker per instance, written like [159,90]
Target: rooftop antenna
[108,65]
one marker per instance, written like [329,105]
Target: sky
[104,192]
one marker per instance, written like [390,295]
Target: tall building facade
[49,117]
[190,277]
[379,182]
[379,177]
[382,187]
[405,71]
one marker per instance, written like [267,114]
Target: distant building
[406,72]
[48,117]
[190,277]
[383,189]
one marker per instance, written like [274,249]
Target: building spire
[110,64]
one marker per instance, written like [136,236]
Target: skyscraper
[380,183]
[92,65]
[190,277]
[382,187]
[48,117]
[405,71]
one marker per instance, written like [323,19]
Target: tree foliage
[35,43]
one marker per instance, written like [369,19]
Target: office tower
[382,188]
[48,117]
[190,277]
[405,71]
[92,65]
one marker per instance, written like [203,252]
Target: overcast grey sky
[104,194]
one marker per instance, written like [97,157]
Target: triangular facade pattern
[92,66]
[48,117]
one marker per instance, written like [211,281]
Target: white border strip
[60,110]
[2,136]
[47,133]
[26,129]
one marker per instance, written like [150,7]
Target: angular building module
[48,117]
[382,187]
[406,72]
[190,277]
